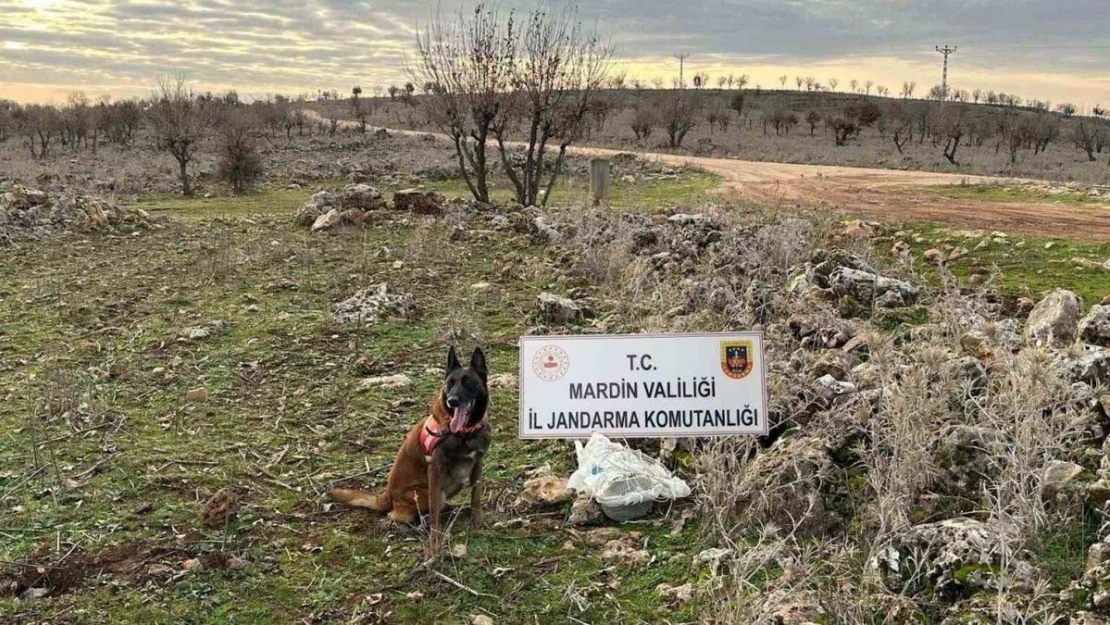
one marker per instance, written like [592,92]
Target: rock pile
[372,304]
[31,214]
[327,210]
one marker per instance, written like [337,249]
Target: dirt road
[893,195]
[886,194]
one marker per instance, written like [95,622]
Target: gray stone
[327,221]
[372,304]
[868,287]
[952,557]
[1095,327]
[1055,319]
[560,310]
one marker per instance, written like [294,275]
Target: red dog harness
[432,433]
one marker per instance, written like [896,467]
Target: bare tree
[782,80]
[737,103]
[813,119]
[900,125]
[1089,135]
[976,95]
[540,77]
[833,82]
[907,89]
[854,84]
[179,120]
[798,80]
[240,164]
[1066,109]
[867,85]
[741,81]
[677,116]
[471,57]
[643,122]
[951,128]
[810,81]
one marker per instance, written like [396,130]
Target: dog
[441,453]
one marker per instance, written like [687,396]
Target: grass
[1028,266]
[1014,193]
[684,187]
[100,452]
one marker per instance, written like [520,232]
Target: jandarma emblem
[550,363]
[736,359]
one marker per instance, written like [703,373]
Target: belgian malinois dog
[442,453]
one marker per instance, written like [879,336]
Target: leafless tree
[907,89]
[239,164]
[854,84]
[833,82]
[677,116]
[718,117]
[538,76]
[867,85]
[643,122]
[799,80]
[976,95]
[952,129]
[810,81]
[900,124]
[742,80]
[1089,135]
[737,103]
[722,81]
[782,80]
[472,57]
[180,121]
[1066,109]
[813,119]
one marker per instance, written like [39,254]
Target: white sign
[643,385]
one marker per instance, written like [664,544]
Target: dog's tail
[362,499]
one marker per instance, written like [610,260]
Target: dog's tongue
[460,417]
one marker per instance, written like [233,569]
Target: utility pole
[681,66]
[944,77]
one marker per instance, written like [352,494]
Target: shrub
[643,122]
[240,164]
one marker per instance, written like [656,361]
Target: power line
[944,77]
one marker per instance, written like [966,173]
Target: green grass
[99,451]
[686,186]
[1010,193]
[1028,266]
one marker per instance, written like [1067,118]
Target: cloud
[303,45]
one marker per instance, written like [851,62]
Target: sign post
[643,385]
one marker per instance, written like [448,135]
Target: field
[178,398]
[982,152]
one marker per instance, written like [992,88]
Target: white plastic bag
[616,476]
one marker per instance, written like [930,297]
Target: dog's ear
[478,363]
[452,362]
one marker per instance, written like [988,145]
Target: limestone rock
[543,491]
[1095,327]
[372,304]
[950,558]
[1055,319]
[558,310]
[419,202]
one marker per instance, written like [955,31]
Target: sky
[1041,49]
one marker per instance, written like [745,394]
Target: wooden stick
[461,586]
